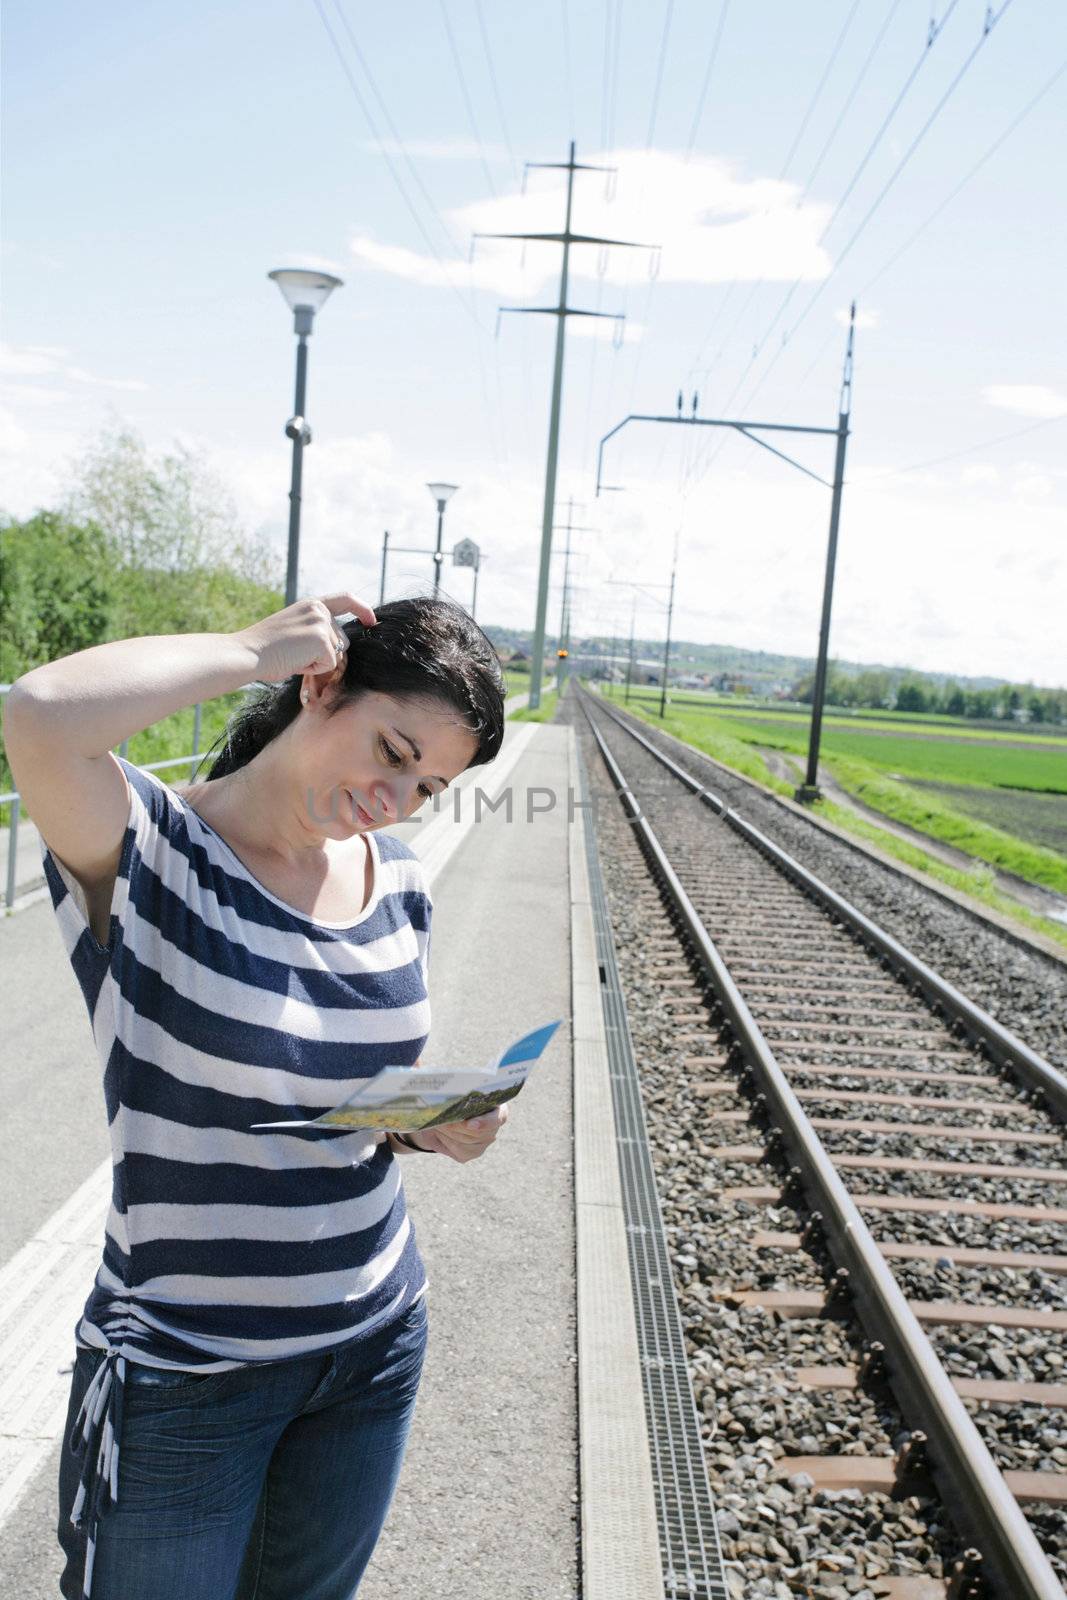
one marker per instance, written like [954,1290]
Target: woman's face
[375,762]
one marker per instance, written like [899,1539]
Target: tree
[980,703]
[872,689]
[183,564]
[911,697]
[955,700]
[57,591]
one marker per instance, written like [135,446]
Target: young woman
[249,948]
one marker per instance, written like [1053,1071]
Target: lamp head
[305,292]
[442,493]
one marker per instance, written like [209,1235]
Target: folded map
[402,1098]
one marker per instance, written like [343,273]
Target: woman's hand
[464,1141]
[304,637]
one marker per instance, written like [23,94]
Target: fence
[14,799]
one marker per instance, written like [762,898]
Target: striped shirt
[215,1005]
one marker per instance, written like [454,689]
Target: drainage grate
[689,1539]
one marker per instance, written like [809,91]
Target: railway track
[849,1138]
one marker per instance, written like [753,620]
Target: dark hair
[420,649]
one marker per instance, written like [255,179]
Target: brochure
[404,1098]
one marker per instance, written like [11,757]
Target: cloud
[50,361]
[864,319]
[1034,486]
[706,224]
[307,261]
[1027,399]
[608,330]
[981,472]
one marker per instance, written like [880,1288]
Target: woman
[249,949]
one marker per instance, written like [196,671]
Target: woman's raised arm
[61,720]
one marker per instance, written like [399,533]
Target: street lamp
[442,493]
[305,293]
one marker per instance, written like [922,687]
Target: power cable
[617,52]
[394,173]
[402,190]
[933,34]
[943,204]
[458,64]
[713,57]
[965,180]
[894,7]
[991,20]
[496,86]
[659,72]
[955,455]
[568,74]
[820,86]
[754,290]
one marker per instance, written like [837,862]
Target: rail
[1003,1045]
[977,1490]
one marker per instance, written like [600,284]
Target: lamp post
[442,493]
[304,293]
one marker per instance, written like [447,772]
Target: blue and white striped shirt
[214,1006]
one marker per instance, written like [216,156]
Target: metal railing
[14,799]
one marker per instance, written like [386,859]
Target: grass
[544,713]
[716,740]
[167,740]
[926,813]
[978,884]
[937,726]
[518,682]
[942,760]
[174,736]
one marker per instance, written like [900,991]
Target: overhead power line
[955,455]
[991,20]
[659,71]
[819,87]
[942,205]
[853,92]
[713,56]
[471,118]
[416,177]
[496,86]
[973,172]
[934,32]
[568,74]
[398,181]
[754,289]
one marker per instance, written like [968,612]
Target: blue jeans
[267,1482]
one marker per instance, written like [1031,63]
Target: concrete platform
[492,1497]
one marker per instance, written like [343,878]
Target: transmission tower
[561,312]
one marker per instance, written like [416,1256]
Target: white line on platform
[44,1286]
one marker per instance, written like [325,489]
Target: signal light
[561,654]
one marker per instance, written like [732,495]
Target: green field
[1000,796]
[864,722]
[911,753]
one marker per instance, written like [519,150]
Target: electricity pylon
[561,311]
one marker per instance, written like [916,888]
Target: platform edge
[620,1537]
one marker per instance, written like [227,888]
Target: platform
[491,1494]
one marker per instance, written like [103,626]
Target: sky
[781,161]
